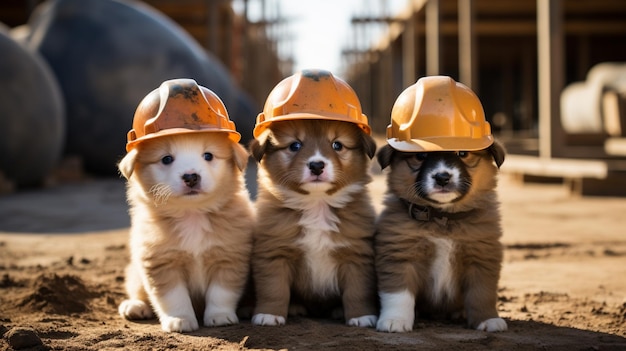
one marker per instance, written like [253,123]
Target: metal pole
[433,38]
[551,75]
[408,52]
[467,45]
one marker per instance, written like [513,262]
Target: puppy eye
[421,156]
[208,156]
[295,146]
[337,146]
[462,154]
[166,160]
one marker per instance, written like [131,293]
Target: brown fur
[405,251]
[160,224]
[278,262]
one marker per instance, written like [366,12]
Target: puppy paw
[267,319]
[179,324]
[135,309]
[492,325]
[220,319]
[363,321]
[397,312]
[398,325]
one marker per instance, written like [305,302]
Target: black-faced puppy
[191,216]
[313,238]
[437,242]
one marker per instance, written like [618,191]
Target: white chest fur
[320,237]
[319,224]
[193,231]
[441,272]
[317,246]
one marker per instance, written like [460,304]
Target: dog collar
[429,213]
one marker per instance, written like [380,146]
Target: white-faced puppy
[313,238]
[191,216]
[437,244]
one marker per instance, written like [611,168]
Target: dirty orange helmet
[179,106]
[311,94]
[438,114]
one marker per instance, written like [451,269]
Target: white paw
[492,325]
[394,325]
[363,321]
[135,309]
[219,319]
[397,312]
[267,319]
[179,324]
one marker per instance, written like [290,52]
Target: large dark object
[107,55]
[32,119]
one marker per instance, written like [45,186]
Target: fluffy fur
[449,265]
[190,236]
[313,239]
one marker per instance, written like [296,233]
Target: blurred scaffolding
[521,58]
[256,52]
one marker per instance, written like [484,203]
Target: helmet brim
[232,135]
[261,127]
[441,144]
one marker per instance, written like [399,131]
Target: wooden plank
[582,177]
[555,167]
[522,27]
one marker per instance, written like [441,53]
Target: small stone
[21,338]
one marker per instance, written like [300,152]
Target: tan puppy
[437,242]
[191,222]
[313,239]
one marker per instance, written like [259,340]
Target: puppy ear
[369,144]
[127,164]
[497,151]
[257,150]
[384,156]
[241,156]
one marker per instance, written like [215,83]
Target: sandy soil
[63,250]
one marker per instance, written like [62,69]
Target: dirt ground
[63,250]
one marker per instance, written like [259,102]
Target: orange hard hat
[438,114]
[179,106]
[311,94]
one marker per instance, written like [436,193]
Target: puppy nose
[191,179]
[442,178]
[316,167]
